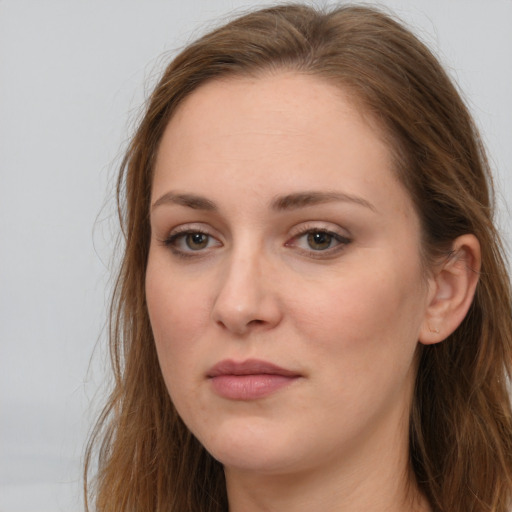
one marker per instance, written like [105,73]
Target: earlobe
[452,288]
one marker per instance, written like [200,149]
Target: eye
[319,241]
[185,243]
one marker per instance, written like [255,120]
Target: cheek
[362,332]
[178,315]
[358,304]
[366,321]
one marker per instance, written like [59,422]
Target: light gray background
[72,77]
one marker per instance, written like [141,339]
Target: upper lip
[248,367]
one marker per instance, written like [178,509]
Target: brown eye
[319,243]
[188,243]
[196,241]
[319,240]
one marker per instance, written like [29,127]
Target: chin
[252,447]
[258,462]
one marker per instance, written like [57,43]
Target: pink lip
[249,380]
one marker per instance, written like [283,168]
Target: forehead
[284,101]
[274,134]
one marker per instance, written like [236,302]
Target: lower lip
[249,387]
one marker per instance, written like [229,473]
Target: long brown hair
[461,421]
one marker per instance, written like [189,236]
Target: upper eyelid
[324,226]
[294,232]
[193,228]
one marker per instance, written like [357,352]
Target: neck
[374,491]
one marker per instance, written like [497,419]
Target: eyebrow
[281,203]
[303,199]
[188,200]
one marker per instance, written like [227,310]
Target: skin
[345,316]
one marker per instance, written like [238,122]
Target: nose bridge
[245,298]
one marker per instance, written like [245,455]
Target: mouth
[249,380]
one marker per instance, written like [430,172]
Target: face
[284,282]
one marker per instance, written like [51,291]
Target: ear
[452,288]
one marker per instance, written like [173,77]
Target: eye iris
[196,241]
[319,240]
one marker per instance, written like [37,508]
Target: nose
[247,299]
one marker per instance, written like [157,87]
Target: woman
[313,312]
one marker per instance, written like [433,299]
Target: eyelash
[341,242]
[172,241]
